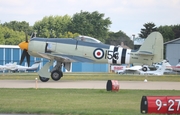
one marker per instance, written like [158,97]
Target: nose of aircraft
[24,45]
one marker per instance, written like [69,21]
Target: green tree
[53,26]
[90,24]
[10,37]
[148,28]
[118,37]
[19,26]
[176,30]
[2,40]
[166,32]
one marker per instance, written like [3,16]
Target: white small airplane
[160,71]
[14,67]
[2,67]
[155,69]
[8,66]
[34,67]
[134,69]
[176,68]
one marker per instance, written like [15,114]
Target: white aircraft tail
[161,70]
[153,45]
[35,65]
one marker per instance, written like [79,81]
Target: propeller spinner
[24,46]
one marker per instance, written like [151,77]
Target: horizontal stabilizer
[145,53]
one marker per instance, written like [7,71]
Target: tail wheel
[56,75]
[144,69]
[43,79]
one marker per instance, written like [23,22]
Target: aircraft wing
[65,58]
[134,68]
[131,69]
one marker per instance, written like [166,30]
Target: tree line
[92,24]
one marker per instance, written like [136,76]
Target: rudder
[153,45]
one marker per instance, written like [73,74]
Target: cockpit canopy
[87,39]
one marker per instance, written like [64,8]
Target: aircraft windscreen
[88,39]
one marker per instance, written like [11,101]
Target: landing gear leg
[56,72]
[44,75]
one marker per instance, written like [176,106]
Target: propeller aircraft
[14,67]
[87,49]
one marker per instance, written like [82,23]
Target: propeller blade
[23,56]
[28,59]
[32,35]
[26,38]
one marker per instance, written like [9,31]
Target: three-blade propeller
[24,47]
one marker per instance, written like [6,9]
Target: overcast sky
[126,15]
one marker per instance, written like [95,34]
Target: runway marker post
[36,84]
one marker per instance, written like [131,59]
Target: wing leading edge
[65,58]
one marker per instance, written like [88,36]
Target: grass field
[74,101]
[79,101]
[92,76]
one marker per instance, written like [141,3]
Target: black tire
[144,69]
[56,75]
[43,79]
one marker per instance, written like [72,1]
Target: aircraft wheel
[43,79]
[144,69]
[56,75]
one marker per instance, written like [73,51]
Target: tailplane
[153,45]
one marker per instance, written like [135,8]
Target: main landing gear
[56,75]
[145,68]
[43,79]
[56,72]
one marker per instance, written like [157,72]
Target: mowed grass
[92,76]
[75,101]
[78,101]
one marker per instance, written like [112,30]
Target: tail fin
[161,69]
[153,45]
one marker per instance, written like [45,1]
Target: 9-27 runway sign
[160,104]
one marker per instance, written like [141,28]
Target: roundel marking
[98,53]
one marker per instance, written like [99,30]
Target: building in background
[12,53]
[138,42]
[172,51]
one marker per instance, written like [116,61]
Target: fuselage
[98,52]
